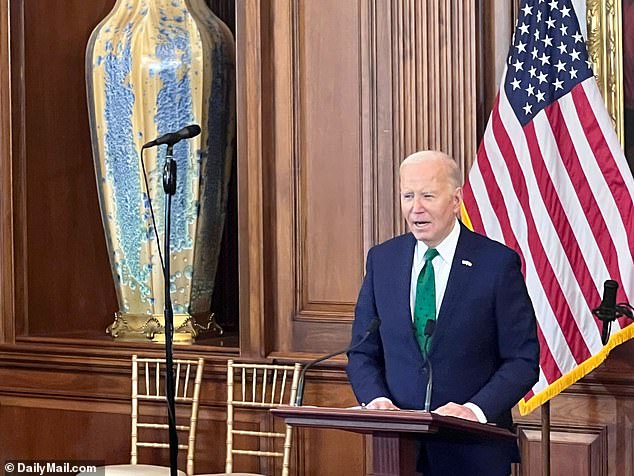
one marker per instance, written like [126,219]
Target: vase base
[151,328]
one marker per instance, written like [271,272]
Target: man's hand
[455,410]
[381,403]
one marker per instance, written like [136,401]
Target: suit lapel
[459,276]
[402,282]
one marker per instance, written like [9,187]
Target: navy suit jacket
[484,348]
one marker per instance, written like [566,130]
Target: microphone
[172,138]
[606,312]
[430,326]
[609,310]
[372,327]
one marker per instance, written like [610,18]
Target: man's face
[429,200]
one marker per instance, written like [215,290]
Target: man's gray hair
[453,171]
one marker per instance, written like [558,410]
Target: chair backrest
[260,386]
[149,385]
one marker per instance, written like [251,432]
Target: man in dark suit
[483,352]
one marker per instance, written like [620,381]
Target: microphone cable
[149,199]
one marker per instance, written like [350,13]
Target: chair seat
[231,474]
[133,470]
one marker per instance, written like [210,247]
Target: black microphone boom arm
[299,397]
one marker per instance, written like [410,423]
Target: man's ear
[457,198]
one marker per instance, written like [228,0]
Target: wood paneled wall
[352,88]
[61,217]
[77,407]
[434,77]
[56,405]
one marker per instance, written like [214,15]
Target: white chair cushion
[230,474]
[133,470]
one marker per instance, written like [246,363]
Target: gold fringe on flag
[580,371]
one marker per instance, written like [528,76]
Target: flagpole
[546,439]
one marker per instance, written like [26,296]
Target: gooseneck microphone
[372,327]
[430,326]
[608,311]
[172,138]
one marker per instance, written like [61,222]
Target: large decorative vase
[153,67]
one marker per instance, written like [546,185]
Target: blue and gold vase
[152,67]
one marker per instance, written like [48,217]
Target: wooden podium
[394,433]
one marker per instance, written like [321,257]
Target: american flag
[550,180]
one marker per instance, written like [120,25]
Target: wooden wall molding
[50,402]
[249,78]
[314,175]
[434,51]
[329,56]
[88,378]
[629,461]
[575,450]
[495,23]
[7,303]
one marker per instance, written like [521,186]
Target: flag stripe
[577,175]
[572,141]
[595,101]
[469,202]
[497,199]
[549,368]
[490,224]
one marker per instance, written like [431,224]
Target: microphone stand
[299,396]
[169,186]
[430,325]
[622,309]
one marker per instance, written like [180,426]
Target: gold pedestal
[145,327]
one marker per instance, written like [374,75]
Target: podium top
[361,420]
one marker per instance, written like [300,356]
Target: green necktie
[425,302]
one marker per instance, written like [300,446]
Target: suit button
[424,370]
